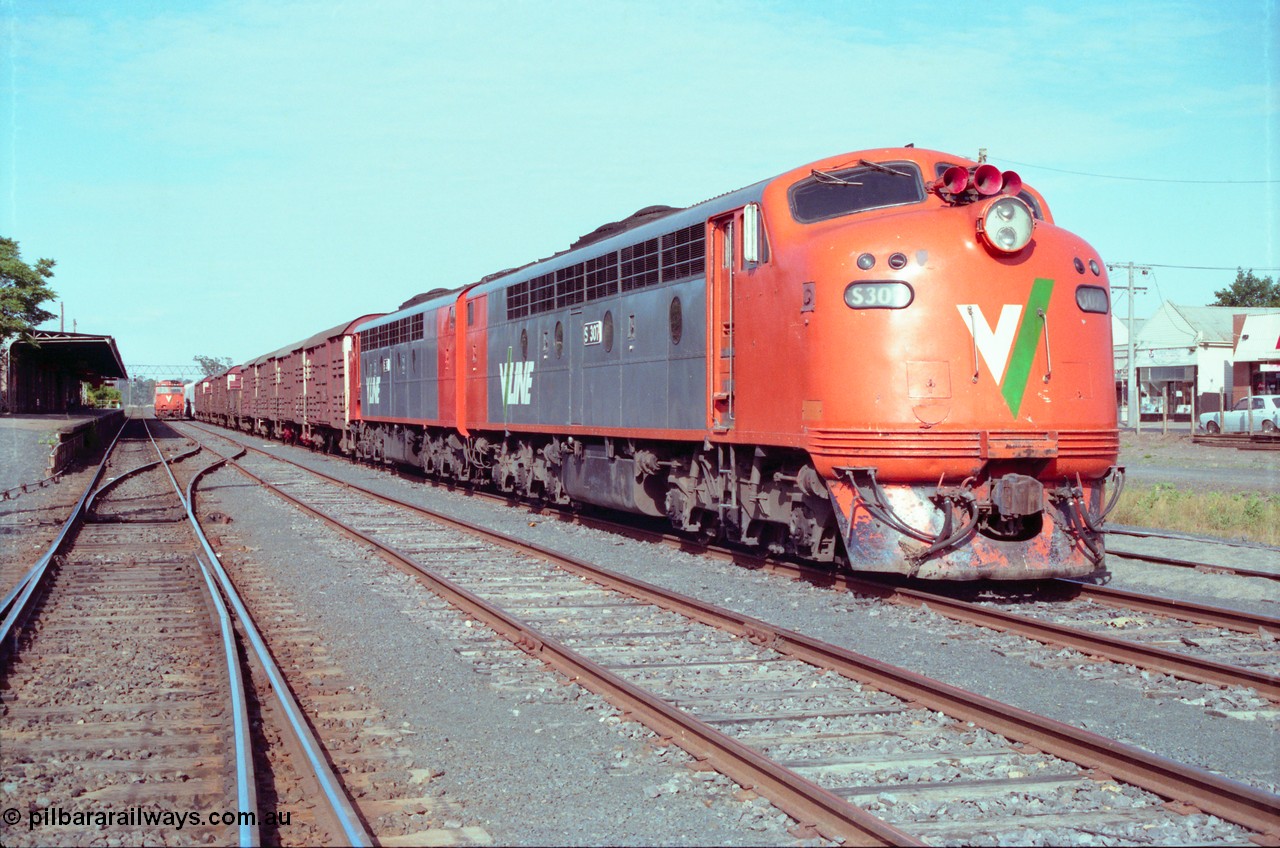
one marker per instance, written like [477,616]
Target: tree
[1248,290]
[212,364]
[105,396]
[22,290]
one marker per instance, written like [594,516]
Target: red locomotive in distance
[891,358]
[170,402]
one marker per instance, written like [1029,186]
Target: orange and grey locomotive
[892,358]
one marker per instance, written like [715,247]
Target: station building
[46,375]
[1194,359]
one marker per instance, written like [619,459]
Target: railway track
[116,695]
[1201,643]
[29,523]
[1213,645]
[1268,556]
[320,737]
[763,705]
[1241,441]
[1208,645]
[1205,644]
[123,705]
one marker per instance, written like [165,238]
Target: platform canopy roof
[86,355]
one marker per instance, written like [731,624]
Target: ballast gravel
[497,767]
[531,760]
[907,637]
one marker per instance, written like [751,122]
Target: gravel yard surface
[1155,458]
[1121,703]
[536,762]
[30,520]
[532,761]
[24,456]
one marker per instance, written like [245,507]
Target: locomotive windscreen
[832,194]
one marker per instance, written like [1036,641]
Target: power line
[1143,179]
[1156,280]
[1210,267]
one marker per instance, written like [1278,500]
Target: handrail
[1048,356]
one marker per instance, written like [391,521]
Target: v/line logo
[517,382]
[1012,343]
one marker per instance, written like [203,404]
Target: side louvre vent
[570,286]
[602,276]
[640,265]
[683,253]
[517,301]
[672,257]
[397,332]
[542,294]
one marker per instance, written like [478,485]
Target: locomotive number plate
[593,332]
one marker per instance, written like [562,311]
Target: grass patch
[1254,517]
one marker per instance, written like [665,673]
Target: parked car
[1265,417]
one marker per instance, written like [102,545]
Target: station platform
[28,442]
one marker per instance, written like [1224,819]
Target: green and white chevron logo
[1012,343]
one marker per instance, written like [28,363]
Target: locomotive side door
[722,259]
[574,340]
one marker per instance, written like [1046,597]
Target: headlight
[1092,299]
[1006,225]
[886,295]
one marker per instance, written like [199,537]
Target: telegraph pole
[1135,414]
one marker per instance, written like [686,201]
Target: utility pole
[1135,415]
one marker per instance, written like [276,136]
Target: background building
[1257,356]
[1188,359]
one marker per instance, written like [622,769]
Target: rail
[1198,566]
[18,604]
[1211,793]
[15,605]
[1112,648]
[1228,619]
[798,796]
[340,805]
[246,793]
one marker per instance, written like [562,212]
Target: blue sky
[227,177]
